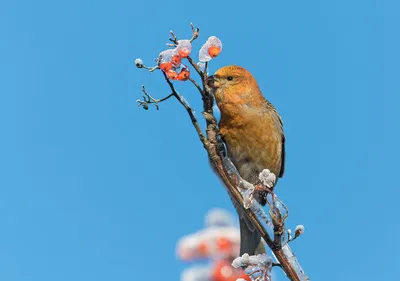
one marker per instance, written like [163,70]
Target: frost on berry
[139,63]
[184,74]
[184,48]
[166,58]
[299,230]
[210,49]
[171,74]
[176,60]
[174,71]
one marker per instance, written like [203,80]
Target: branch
[283,253]
[147,99]
[188,109]
[196,85]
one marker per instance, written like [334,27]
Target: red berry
[165,66]
[214,51]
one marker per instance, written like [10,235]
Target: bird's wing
[283,157]
[279,123]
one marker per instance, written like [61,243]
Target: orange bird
[252,131]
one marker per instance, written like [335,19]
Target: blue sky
[93,188]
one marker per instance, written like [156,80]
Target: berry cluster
[170,60]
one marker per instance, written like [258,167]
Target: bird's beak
[212,81]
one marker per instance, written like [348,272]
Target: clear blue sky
[94,189]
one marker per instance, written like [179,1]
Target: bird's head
[233,84]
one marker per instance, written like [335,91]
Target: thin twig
[195,33]
[188,109]
[173,38]
[141,65]
[147,99]
[196,67]
[175,41]
[196,85]
[151,69]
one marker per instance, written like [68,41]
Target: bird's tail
[250,238]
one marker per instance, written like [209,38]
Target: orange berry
[222,271]
[184,74]
[224,244]
[165,66]
[202,249]
[184,48]
[176,60]
[242,275]
[184,52]
[214,51]
[172,74]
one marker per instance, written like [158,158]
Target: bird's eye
[230,78]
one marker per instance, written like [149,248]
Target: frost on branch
[267,178]
[299,230]
[258,266]
[273,221]
[294,262]
[139,63]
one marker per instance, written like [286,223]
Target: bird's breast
[253,142]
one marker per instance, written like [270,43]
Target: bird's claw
[261,187]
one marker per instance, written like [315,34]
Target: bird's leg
[257,191]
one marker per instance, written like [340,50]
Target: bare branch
[195,32]
[147,99]
[188,109]
[139,64]
[196,67]
[173,38]
[196,85]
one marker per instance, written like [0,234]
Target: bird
[252,131]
